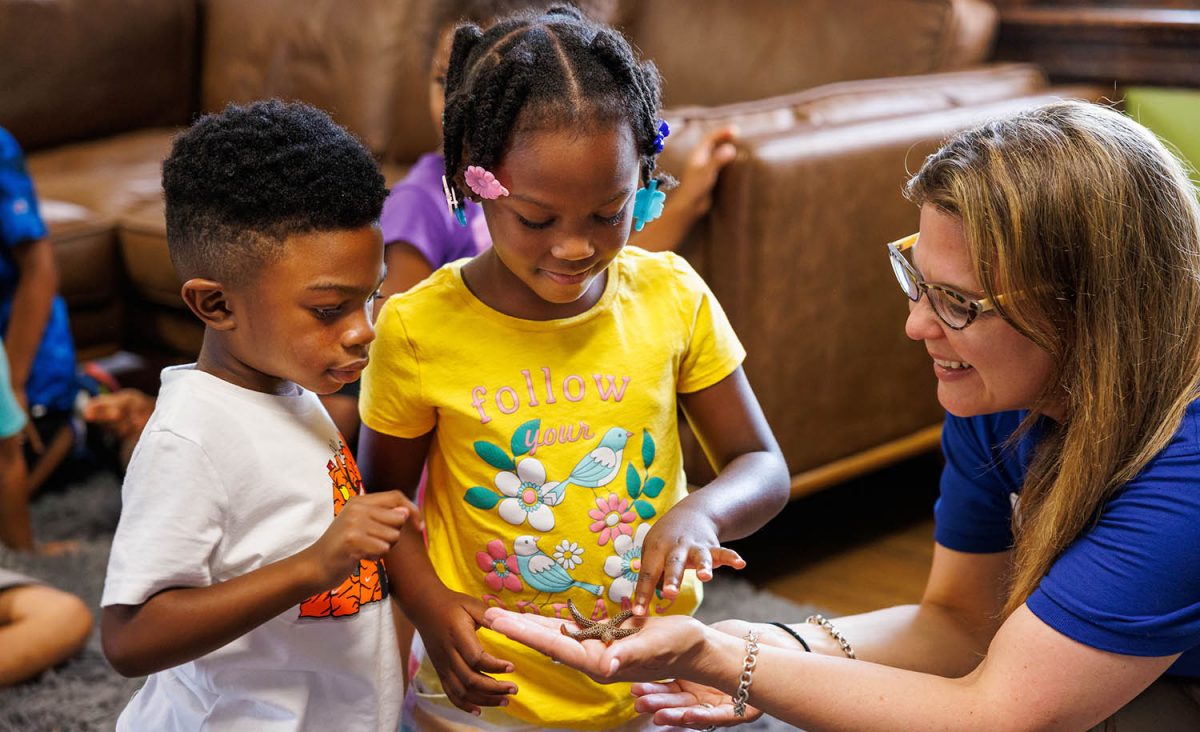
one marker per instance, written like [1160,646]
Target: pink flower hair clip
[484,184]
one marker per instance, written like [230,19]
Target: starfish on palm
[607,631]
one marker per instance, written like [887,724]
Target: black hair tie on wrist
[790,632]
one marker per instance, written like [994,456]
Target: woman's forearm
[817,692]
[922,637]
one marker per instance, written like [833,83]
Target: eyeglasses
[952,307]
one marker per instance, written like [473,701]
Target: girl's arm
[181,624]
[446,620]
[750,488]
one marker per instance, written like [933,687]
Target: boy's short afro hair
[239,182]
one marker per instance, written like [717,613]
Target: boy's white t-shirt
[223,481]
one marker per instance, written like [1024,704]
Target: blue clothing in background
[1131,583]
[51,386]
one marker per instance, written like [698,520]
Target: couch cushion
[772,47]
[142,234]
[75,69]
[108,176]
[85,251]
[89,275]
[344,57]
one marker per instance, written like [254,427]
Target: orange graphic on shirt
[369,582]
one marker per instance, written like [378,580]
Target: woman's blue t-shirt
[1131,583]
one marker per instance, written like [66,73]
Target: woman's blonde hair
[1093,229]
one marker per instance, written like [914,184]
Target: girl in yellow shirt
[541,380]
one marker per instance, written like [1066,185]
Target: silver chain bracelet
[743,691]
[822,621]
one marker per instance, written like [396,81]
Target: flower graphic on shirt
[612,517]
[625,566]
[525,495]
[500,567]
[528,496]
[568,554]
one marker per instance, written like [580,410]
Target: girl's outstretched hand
[447,624]
[683,538]
[687,704]
[665,645]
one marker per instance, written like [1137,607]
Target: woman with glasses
[1055,284]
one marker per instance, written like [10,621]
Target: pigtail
[458,105]
[643,79]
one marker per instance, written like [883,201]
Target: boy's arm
[751,486]
[446,620]
[178,625]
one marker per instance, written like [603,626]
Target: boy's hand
[447,623]
[366,528]
[683,538]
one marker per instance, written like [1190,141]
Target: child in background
[40,627]
[33,320]
[245,574]
[541,380]
[419,233]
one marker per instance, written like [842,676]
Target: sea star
[607,631]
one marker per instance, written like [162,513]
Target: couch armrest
[794,251]
[850,102]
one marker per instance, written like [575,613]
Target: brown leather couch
[834,99]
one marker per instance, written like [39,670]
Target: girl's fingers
[648,578]
[700,559]
[677,561]
[723,557]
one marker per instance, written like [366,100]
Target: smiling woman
[1064,591]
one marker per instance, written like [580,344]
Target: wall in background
[1172,114]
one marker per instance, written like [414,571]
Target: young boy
[231,582]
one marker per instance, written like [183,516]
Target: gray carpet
[85,694]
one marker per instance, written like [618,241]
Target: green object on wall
[1173,115]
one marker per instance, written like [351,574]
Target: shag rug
[85,694]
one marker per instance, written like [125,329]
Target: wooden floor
[857,546]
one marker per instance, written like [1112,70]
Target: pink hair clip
[484,184]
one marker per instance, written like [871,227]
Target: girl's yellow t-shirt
[555,449]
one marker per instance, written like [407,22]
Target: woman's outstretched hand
[664,647]
[687,704]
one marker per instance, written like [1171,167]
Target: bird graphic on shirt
[544,574]
[598,468]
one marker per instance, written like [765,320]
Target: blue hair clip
[664,130]
[457,209]
[647,205]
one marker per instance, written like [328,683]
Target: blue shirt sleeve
[19,218]
[973,512]
[1131,584]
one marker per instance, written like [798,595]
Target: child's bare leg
[15,530]
[39,628]
[56,450]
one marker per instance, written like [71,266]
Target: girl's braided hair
[529,71]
